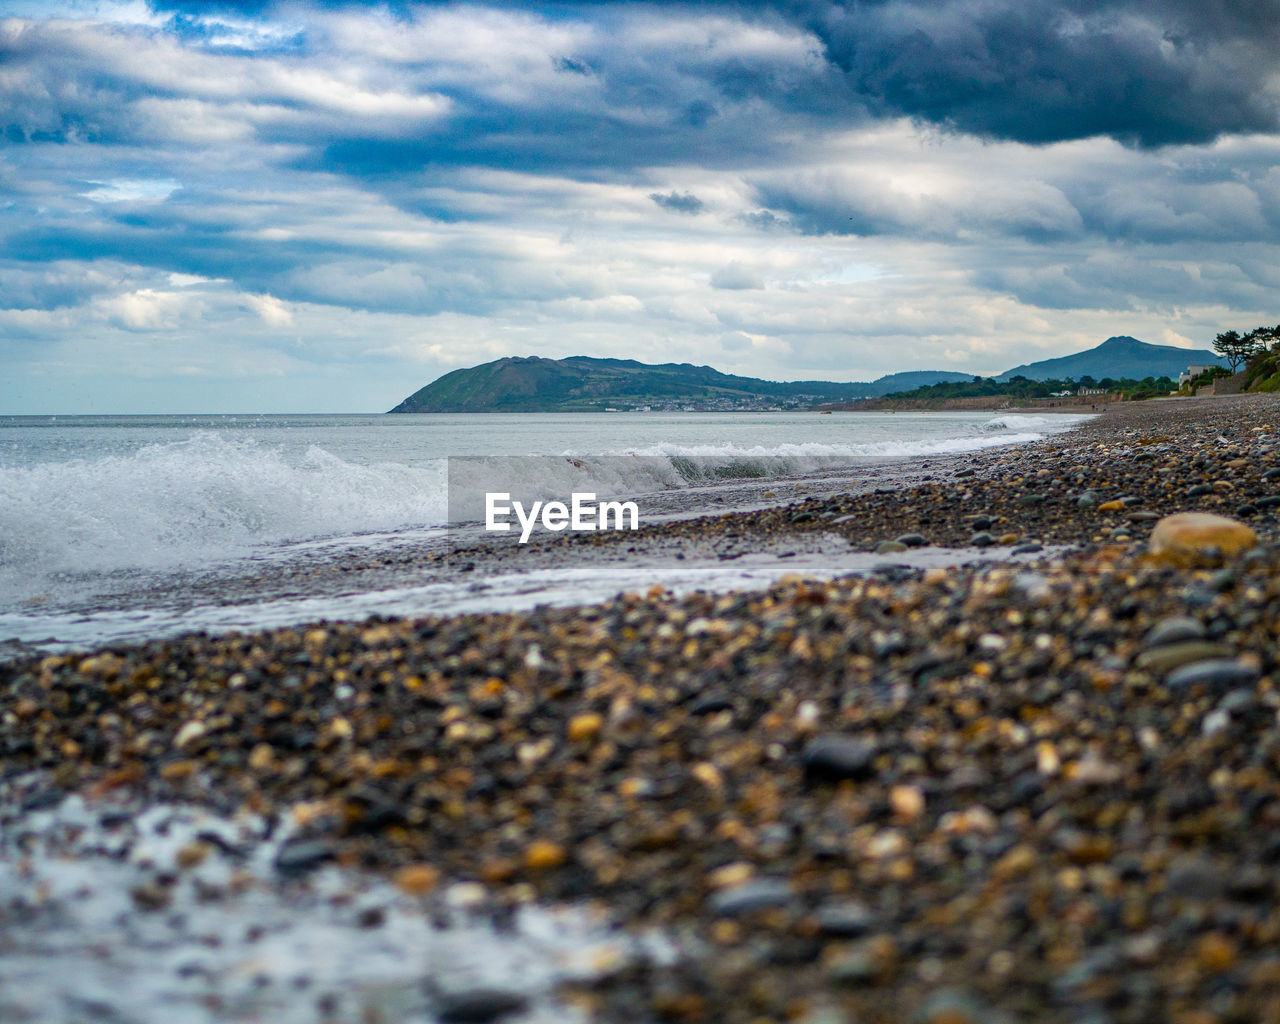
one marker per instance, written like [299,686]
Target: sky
[321,206]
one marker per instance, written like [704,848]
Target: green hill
[1120,357]
[586,384]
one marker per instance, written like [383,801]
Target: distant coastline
[588,384]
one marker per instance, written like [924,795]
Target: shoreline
[429,570]
[983,791]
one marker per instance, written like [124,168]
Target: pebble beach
[1035,790]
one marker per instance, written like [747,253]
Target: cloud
[734,276]
[351,192]
[123,190]
[678,202]
[147,309]
[55,285]
[273,312]
[1146,72]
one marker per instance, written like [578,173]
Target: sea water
[103,519]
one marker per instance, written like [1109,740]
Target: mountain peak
[1123,341]
[1119,356]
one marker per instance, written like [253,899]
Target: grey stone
[478,1005]
[847,919]
[1193,877]
[299,855]
[1172,630]
[832,758]
[1216,673]
[750,897]
[1168,657]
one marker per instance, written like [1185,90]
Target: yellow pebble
[709,775]
[543,854]
[730,875]
[907,802]
[261,757]
[585,727]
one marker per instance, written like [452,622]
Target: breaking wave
[198,500]
[210,499]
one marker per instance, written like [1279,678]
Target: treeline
[1237,348]
[1024,388]
[1258,350]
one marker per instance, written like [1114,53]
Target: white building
[1191,373]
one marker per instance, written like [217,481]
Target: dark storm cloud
[1146,73]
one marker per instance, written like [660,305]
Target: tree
[1262,338]
[1234,348]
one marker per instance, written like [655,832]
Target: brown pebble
[417,879]
[191,855]
[151,896]
[1187,535]
[175,770]
[1215,953]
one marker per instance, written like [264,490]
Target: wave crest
[205,498]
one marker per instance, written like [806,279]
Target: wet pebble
[301,855]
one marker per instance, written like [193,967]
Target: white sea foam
[192,501]
[653,467]
[819,450]
[1049,424]
[77,947]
